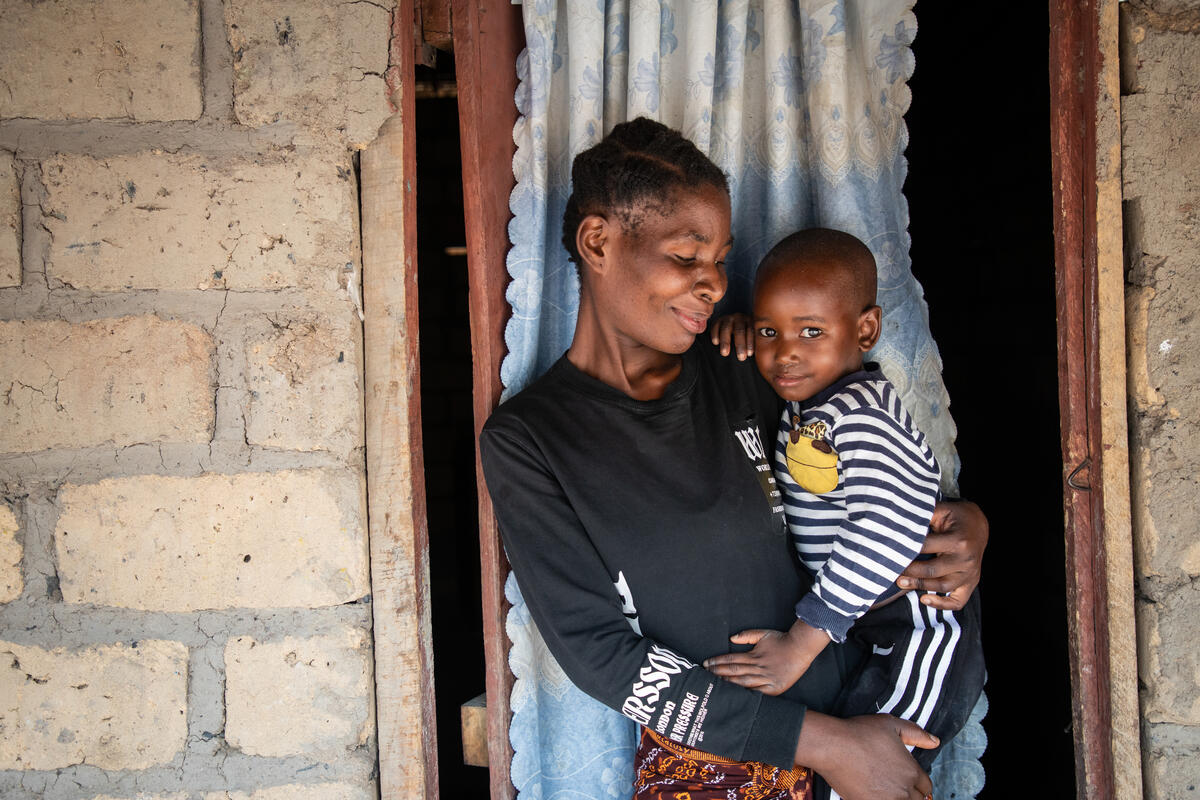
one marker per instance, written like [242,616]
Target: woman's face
[664,275]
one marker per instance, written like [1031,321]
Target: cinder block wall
[1160,108]
[184,591]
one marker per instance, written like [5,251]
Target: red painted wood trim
[401,69]
[488,37]
[1074,88]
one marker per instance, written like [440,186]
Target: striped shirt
[856,538]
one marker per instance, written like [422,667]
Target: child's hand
[734,330]
[777,661]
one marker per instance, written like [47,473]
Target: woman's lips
[696,323]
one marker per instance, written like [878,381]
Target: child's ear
[869,324]
[591,240]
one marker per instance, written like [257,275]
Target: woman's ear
[591,240]
[869,324]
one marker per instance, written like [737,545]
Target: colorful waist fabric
[670,771]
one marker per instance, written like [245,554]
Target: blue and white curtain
[801,103]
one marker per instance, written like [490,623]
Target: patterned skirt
[670,771]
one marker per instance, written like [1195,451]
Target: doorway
[983,250]
[447,423]
[980,204]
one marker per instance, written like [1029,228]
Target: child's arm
[777,661]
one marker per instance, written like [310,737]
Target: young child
[859,484]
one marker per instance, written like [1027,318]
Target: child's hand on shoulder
[734,332]
[777,661]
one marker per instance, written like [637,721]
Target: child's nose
[789,350]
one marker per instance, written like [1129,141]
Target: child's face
[808,330]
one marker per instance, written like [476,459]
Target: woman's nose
[711,283]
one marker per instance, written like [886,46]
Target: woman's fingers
[743,336]
[721,331]
[914,735]
[957,540]
[733,333]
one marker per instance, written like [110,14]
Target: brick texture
[115,707]
[163,221]
[304,388]
[1161,173]
[299,696]
[11,582]
[295,791]
[253,540]
[106,59]
[319,66]
[10,222]
[120,381]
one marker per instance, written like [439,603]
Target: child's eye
[766,333]
[810,333]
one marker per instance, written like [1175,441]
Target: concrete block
[319,65]
[1168,628]
[296,791]
[10,221]
[104,59]
[299,696]
[252,540]
[112,707]
[1172,759]
[1161,170]
[119,381]
[164,221]
[11,550]
[303,385]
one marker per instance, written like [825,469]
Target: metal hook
[1083,487]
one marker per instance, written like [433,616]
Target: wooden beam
[1114,474]
[398,528]
[436,27]
[488,37]
[1096,477]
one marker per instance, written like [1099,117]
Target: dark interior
[447,422]
[979,194]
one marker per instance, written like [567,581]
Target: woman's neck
[639,371]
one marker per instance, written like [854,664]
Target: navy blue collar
[869,372]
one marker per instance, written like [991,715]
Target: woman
[639,511]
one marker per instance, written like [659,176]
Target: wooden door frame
[488,37]
[1089,280]
[1085,140]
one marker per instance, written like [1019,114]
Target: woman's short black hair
[629,171]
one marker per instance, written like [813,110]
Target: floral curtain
[801,103]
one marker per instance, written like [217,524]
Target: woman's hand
[958,536]
[733,331]
[865,758]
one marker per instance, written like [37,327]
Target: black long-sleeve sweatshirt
[644,534]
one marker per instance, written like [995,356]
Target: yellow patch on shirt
[811,461]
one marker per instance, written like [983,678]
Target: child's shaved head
[814,311]
[836,255]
